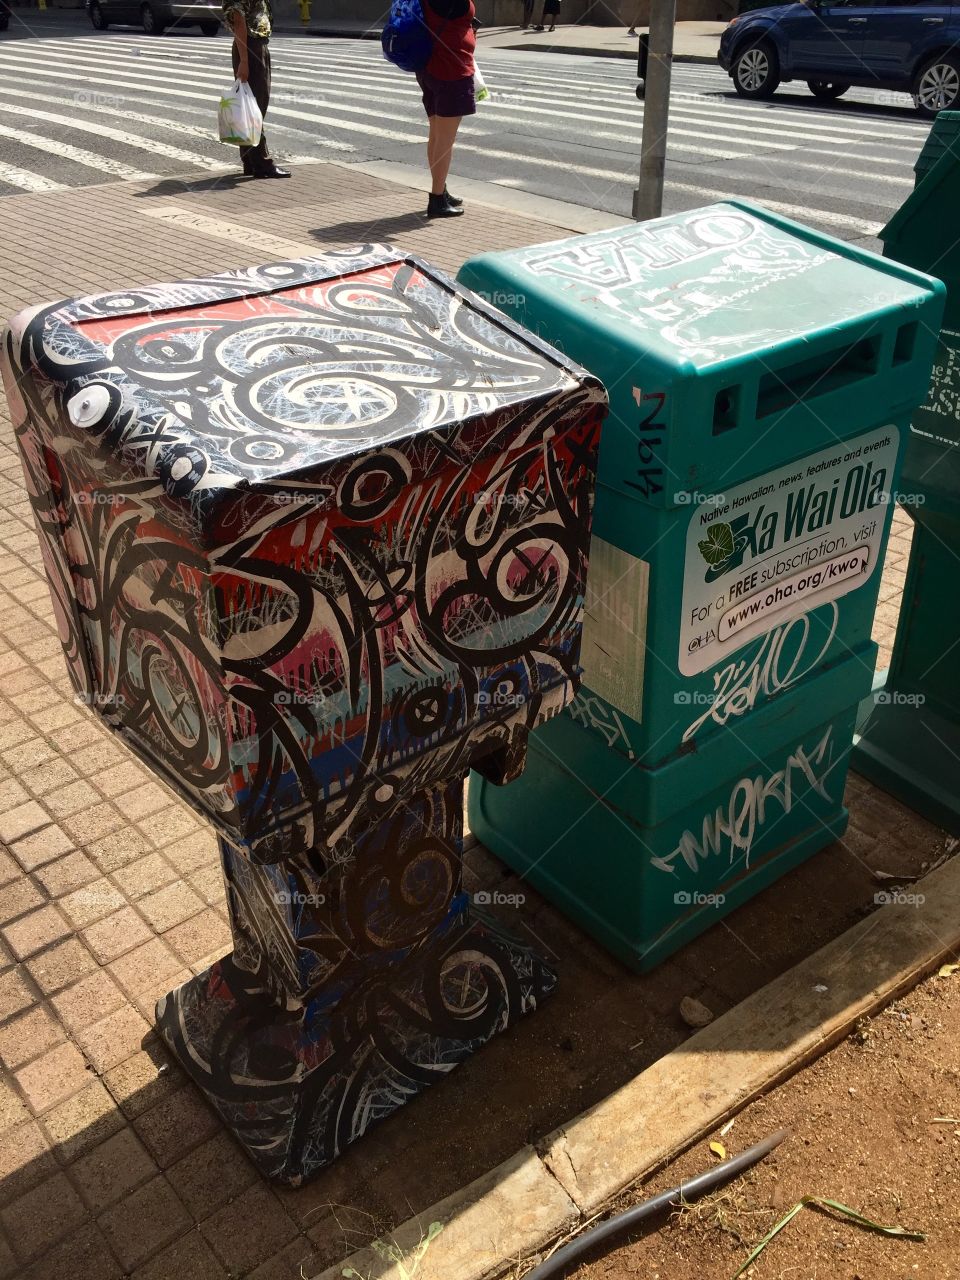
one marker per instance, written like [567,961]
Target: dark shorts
[447,97]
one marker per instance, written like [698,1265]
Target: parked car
[156,15]
[833,44]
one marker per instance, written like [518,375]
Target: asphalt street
[79,107]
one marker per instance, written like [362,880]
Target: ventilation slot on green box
[781,389]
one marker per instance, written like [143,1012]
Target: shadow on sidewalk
[224,181]
[367,229]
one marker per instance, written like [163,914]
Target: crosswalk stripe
[353,126]
[352,93]
[117,135]
[27,181]
[826,217]
[728,118]
[676,132]
[334,61]
[166,122]
[105,164]
[802,213]
[731,116]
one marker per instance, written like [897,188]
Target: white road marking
[67,152]
[27,181]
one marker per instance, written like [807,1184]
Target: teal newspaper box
[761,380]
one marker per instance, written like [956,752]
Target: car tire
[937,86]
[826,90]
[756,71]
[151,23]
[209,28]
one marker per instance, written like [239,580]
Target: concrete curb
[531,1199]
[558,213]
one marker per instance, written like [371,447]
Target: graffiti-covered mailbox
[760,377]
[910,739]
[316,535]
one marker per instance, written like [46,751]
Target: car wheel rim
[753,69]
[939,87]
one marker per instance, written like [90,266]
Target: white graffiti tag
[736,823]
[779,661]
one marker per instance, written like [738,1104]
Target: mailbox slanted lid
[710,285]
[261,378]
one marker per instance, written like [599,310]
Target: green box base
[644,890]
[913,754]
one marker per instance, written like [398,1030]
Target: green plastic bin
[761,378]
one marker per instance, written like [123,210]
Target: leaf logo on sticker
[718,545]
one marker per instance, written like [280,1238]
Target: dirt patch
[864,1131]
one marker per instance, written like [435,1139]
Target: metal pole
[648,197]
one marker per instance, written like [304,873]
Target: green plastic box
[761,378]
[909,740]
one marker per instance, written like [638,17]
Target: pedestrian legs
[440,140]
[258,59]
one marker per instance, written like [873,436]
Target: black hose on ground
[686,1193]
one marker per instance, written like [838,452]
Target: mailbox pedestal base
[296,1085]
[356,981]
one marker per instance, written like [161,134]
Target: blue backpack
[406,39]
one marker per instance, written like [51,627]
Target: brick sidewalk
[110,890]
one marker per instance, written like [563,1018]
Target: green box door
[761,377]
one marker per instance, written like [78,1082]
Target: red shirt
[454,38]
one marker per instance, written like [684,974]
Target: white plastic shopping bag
[481,92]
[241,123]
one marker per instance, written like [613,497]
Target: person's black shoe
[456,201]
[538,28]
[442,207]
[272,171]
[248,170]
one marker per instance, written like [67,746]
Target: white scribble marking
[736,823]
[767,671]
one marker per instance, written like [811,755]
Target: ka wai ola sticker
[783,543]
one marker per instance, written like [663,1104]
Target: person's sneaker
[442,207]
[272,171]
[456,201]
